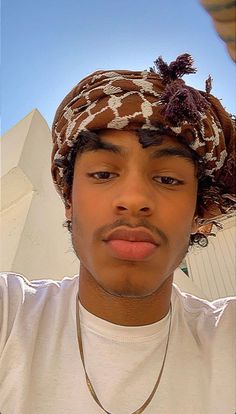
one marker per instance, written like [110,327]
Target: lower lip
[128,250]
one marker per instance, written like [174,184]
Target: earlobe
[195,225]
[68,212]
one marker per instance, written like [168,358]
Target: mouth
[131,243]
[131,250]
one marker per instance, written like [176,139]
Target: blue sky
[48,46]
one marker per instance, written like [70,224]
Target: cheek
[178,215]
[90,210]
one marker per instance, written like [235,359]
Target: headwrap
[223,14]
[155,100]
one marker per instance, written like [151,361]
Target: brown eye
[101,175]
[169,180]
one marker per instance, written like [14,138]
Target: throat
[124,310]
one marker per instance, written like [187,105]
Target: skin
[128,292]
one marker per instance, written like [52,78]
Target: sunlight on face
[153,188]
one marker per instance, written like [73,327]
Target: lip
[131,250]
[129,244]
[135,235]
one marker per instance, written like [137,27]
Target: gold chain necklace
[89,384]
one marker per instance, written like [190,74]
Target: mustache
[99,233]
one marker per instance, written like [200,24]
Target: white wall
[213,268]
[33,241]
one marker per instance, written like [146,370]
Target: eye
[101,175]
[169,180]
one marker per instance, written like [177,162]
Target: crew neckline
[99,326]
[104,328]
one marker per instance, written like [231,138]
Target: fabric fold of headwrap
[159,98]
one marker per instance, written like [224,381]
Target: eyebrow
[174,151]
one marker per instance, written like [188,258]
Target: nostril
[144,209]
[121,208]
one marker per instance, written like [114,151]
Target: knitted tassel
[181,102]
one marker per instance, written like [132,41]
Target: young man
[138,159]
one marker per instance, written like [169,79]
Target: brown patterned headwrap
[156,99]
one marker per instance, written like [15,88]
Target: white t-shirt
[41,370]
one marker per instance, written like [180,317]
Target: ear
[195,224]
[68,211]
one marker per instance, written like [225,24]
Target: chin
[128,289]
[129,293]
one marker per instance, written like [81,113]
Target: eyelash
[177,182]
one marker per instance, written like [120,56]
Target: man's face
[131,191]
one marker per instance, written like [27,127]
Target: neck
[124,310]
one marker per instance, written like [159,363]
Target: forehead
[130,143]
[131,139]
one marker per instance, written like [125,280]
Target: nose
[135,197]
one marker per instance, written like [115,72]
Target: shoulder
[17,286]
[22,300]
[16,289]
[17,293]
[217,315]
